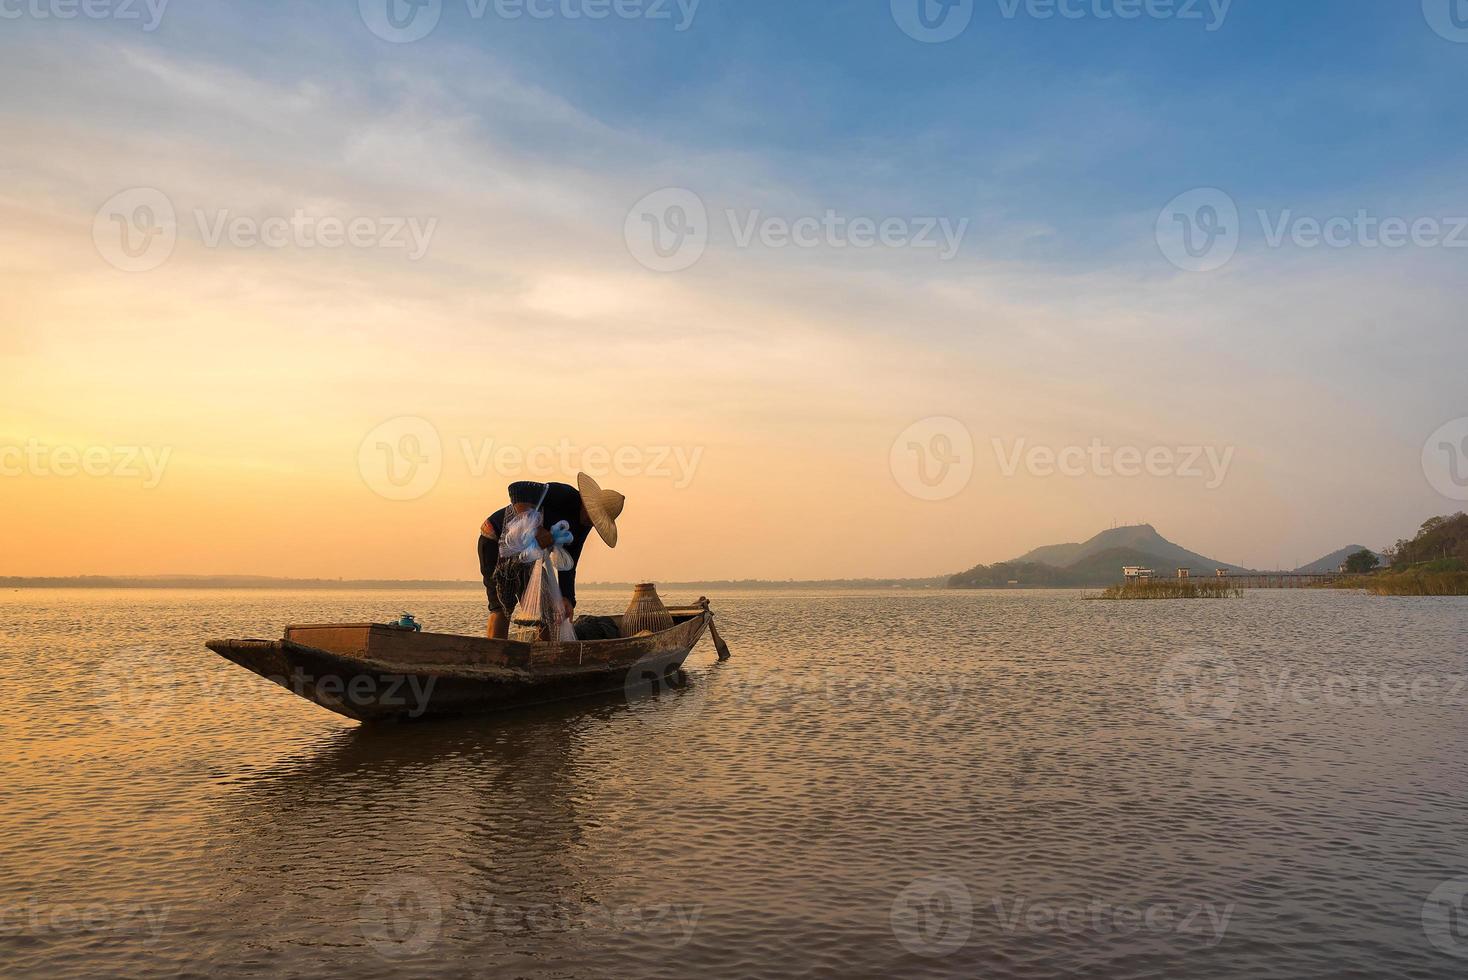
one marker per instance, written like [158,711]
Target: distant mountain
[1333,561]
[1141,539]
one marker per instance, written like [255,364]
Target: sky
[826,289]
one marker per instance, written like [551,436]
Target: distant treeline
[1027,574]
[1439,539]
[1434,562]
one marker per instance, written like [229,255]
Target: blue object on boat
[407,622]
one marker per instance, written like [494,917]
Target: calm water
[978,785]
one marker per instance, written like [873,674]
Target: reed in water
[1418,581]
[1173,589]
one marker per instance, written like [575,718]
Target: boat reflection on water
[500,834]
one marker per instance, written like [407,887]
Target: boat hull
[374,673]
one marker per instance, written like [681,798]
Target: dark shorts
[506,584]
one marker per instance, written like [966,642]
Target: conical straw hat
[604,506]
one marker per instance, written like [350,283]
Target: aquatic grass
[1173,589]
[1415,581]
[1441,577]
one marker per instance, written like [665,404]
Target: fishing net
[541,612]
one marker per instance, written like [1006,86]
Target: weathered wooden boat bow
[371,671]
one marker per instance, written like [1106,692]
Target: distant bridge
[1278,580]
[1239,580]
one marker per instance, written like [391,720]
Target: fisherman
[583,507]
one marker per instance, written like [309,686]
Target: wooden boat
[375,672]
